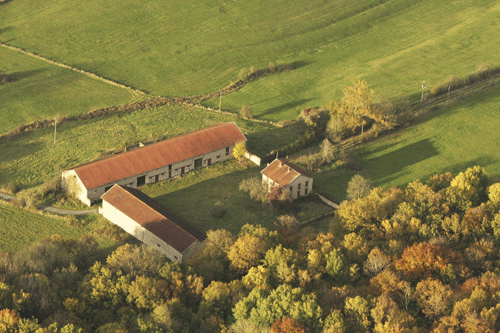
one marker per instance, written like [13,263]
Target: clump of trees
[424,258]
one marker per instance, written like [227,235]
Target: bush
[9,188]
[243,74]
[480,73]
[451,81]
[272,68]
[246,112]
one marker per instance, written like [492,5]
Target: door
[157,178]
[141,180]
[182,170]
[209,161]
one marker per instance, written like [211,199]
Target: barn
[287,176]
[150,222]
[154,162]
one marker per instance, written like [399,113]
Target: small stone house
[287,176]
[150,222]
[154,162]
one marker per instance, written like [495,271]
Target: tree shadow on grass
[285,107]
[16,76]
[390,166]
[263,142]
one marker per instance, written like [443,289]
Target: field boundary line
[134,92]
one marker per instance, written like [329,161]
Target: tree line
[424,258]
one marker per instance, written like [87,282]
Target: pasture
[180,48]
[40,90]
[450,139]
[33,158]
[21,227]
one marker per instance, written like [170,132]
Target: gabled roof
[283,172]
[159,154]
[153,217]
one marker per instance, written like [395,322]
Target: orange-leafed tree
[424,260]
[288,325]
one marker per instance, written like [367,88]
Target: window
[158,244]
[218,156]
[198,163]
[305,191]
[291,188]
[175,257]
[307,183]
[227,150]
[298,186]
[170,167]
[298,193]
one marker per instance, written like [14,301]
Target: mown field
[40,90]
[181,48]
[448,140]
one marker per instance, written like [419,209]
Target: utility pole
[423,87]
[220,99]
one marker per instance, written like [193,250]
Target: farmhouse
[287,176]
[150,222]
[149,164]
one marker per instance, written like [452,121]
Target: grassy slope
[41,90]
[31,159]
[20,227]
[179,48]
[448,140]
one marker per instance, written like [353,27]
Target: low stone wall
[253,158]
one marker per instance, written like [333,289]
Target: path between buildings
[52,209]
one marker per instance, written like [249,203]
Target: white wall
[133,228]
[93,195]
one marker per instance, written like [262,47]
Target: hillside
[178,48]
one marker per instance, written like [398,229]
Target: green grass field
[197,195]
[33,158]
[448,140]
[182,48]
[41,90]
[21,227]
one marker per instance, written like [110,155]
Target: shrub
[252,70]
[481,72]
[243,74]
[272,68]
[9,188]
[451,81]
[246,112]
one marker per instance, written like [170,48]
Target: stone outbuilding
[287,177]
[154,162]
[150,222]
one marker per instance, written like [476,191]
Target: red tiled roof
[283,172]
[159,154]
[153,217]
